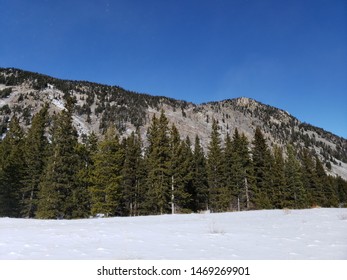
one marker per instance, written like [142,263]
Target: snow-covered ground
[267,234]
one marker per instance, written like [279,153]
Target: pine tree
[294,195]
[86,152]
[219,194]
[133,175]
[57,189]
[35,155]
[175,165]
[329,192]
[105,191]
[199,177]
[181,173]
[278,178]
[341,187]
[187,168]
[158,164]
[229,181]
[11,170]
[242,173]
[262,162]
[310,180]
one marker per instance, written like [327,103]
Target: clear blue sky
[291,54]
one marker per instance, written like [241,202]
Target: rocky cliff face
[96,106]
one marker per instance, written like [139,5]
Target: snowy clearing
[267,234]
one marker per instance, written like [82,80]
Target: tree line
[47,173]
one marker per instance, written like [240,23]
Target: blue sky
[291,54]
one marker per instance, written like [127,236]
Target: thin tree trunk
[247,194]
[172,195]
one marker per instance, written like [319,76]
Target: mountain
[24,93]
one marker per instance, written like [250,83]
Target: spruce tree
[86,152]
[11,170]
[187,167]
[218,193]
[329,192]
[105,190]
[310,180]
[35,155]
[294,195]
[262,161]
[278,178]
[229,159]
[182,163]
[57,189]
[199,177]
[341,187]
[158,164]
[242,170]
[133,175]
[175,165]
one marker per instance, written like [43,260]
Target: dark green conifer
[244,186]
[278,178]
[309,178]
[218,192]
[86,152]
[329,191]
[294,195]
[181,173]
[11,170]
[105,190]
[158,164]
[262,164]
[57,189]
[199,177]
[229,180]
[133,176]
[35,155]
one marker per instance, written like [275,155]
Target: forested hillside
[72,149]
[56,176]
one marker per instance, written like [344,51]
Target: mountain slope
[96,106]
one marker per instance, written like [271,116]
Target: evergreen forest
[46,173]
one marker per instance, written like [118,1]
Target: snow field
[259,235]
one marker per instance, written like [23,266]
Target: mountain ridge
[97,105]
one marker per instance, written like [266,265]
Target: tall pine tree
[294,194]
[242,169]
[57,189]
[105,191]
[329,191]
[35,155]
[11,170]
[278,177]
[158,199]
[315,196]
[219,194]
[262,161]
[133,175]
[199,177]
